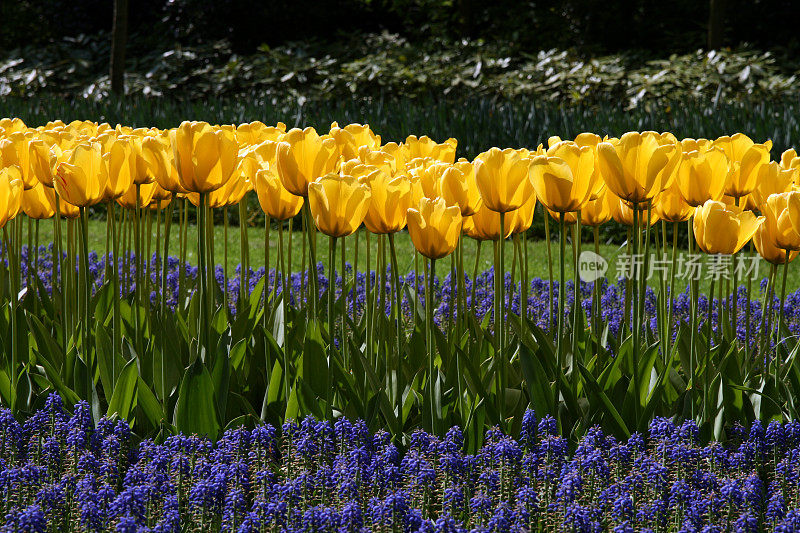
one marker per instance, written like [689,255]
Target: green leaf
[314,363]
[196,412]
[124,397]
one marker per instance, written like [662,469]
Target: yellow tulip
[81,180]
[592,140]
[772,179]
[234,189]
[355,168]
[779,211]
[275,200]
[563,178]
[266,154]
[737,146]
[160,161]
[670,205]
[522,218]
[11,189]
[128,200]
[303,156]
[379,159]
[15,151]
[43,160]
[622,212]
[458,186]
[503,178]
[764,242]
[400,153]
[426,147]
[598,211]
[723,229]
[695,145]
[39,203]
[484,225]
[205,157]
[119,157]
[338,204]
[12,125]
[256,132]
[632,165]
[434,227]
[391,199]
[703,176]
[352,137]
[429,171]
[746,158]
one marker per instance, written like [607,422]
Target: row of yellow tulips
[350,177]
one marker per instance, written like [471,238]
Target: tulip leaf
[124,396]
[196,412]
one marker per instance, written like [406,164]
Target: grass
[537,252]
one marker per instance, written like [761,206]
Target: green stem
[549,271]
[331,322]
[397,314]
[430,274]
[561,303]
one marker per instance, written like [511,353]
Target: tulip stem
[225,259]
[561,304]
[398,314]
[331,323]
[635,324]
[87,295]
[165,265]
[778,338]
[284,318]
[312,249]
[694,320]
[596,289]
[203,317]
[501,317]
[475,272]
[709,343]
[370,302]
[766,318]
[576,298]
[345,291]
[244,249]
[429,325]
[549,271]
[671,295]
[13,264]
[137,244]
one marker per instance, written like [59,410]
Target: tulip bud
[81,180]
[632,165]
[205,157]
[426,147]
[458,186]
[303,156]
[275,200]
[778,211]
[391,199]
[764,242]
[338,204]
[562,178]
[503,178]
[39,203]
[434,227]
[723,229]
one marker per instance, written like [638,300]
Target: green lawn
[537,252]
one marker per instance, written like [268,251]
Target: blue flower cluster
[479,293]
[61,472]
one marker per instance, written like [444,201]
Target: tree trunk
[119,38]
[716,16]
